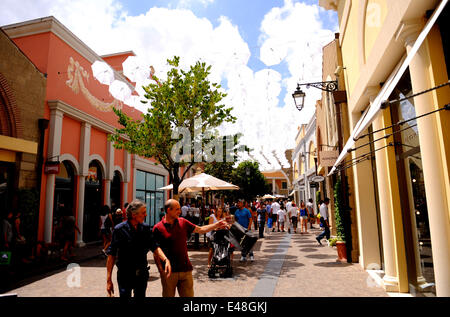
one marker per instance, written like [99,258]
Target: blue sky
[246,14]
[258,49]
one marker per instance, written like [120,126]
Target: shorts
[294,221]
[304,217]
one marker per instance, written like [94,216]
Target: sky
[258,49]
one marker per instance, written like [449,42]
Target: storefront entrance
[7,172]
[115,192]
[412,191]
[64,190]
[93,202]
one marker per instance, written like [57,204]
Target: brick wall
[24,88]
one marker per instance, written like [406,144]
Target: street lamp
[299,95]
[299,98]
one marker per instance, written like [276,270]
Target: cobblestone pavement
[286,265]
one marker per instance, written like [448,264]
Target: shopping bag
[5,257]
[269,223]
[242,238]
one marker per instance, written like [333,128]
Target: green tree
[250,180]
[187,100]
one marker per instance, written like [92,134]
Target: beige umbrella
[267,196]
[202,182]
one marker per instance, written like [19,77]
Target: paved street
[286,265]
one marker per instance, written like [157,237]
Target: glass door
[412,190]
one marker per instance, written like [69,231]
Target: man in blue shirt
[131,241]
[244,218]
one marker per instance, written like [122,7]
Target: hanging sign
[51,167]
[328,158]
[318,179]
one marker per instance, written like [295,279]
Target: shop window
[412,188]
[147,185]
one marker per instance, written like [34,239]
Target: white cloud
[291,34]
[190,3]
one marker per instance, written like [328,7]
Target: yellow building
[401,172]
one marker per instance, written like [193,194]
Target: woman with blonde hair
[303,218]
[213,218]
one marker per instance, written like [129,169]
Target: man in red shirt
[171,235]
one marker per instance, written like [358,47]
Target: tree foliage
[250,180]
[187,100]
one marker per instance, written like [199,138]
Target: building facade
[304,163]
[82,171]
[402,184]
[22,96]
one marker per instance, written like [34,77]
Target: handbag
[5,257]
[269,223]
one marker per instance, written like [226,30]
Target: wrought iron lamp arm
[329,86]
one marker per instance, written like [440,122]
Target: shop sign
[92,177]
[314,185]
[328,158]
[51,167]
[318,179]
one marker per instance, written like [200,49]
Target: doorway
[7,176]
[115,193]
[93,203]
[64,191]
[412,191]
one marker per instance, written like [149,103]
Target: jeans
[132,280]
[261,226]
[326,232]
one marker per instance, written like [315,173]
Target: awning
[292,193]
[387,88]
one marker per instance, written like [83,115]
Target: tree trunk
[176,181]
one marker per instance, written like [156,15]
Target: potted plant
[339,210]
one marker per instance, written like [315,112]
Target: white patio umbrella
[102,72]
[268,196]
[203,182]
[119,90]
[135,69]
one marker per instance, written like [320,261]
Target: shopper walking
[293,215]
[275,208]
[262,217]
[131,241]
[244,218]
[310,209]
[282,218]
[213,218]
[171,235]
[303,218]
[106,225]
[324,221]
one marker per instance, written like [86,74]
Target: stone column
[365,203]
[433,166]
[273,186]
[53,151]
[80,222]
[109,171]
[127,175]
[84,168]
[396,272]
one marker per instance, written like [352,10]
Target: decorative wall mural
[76,75]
